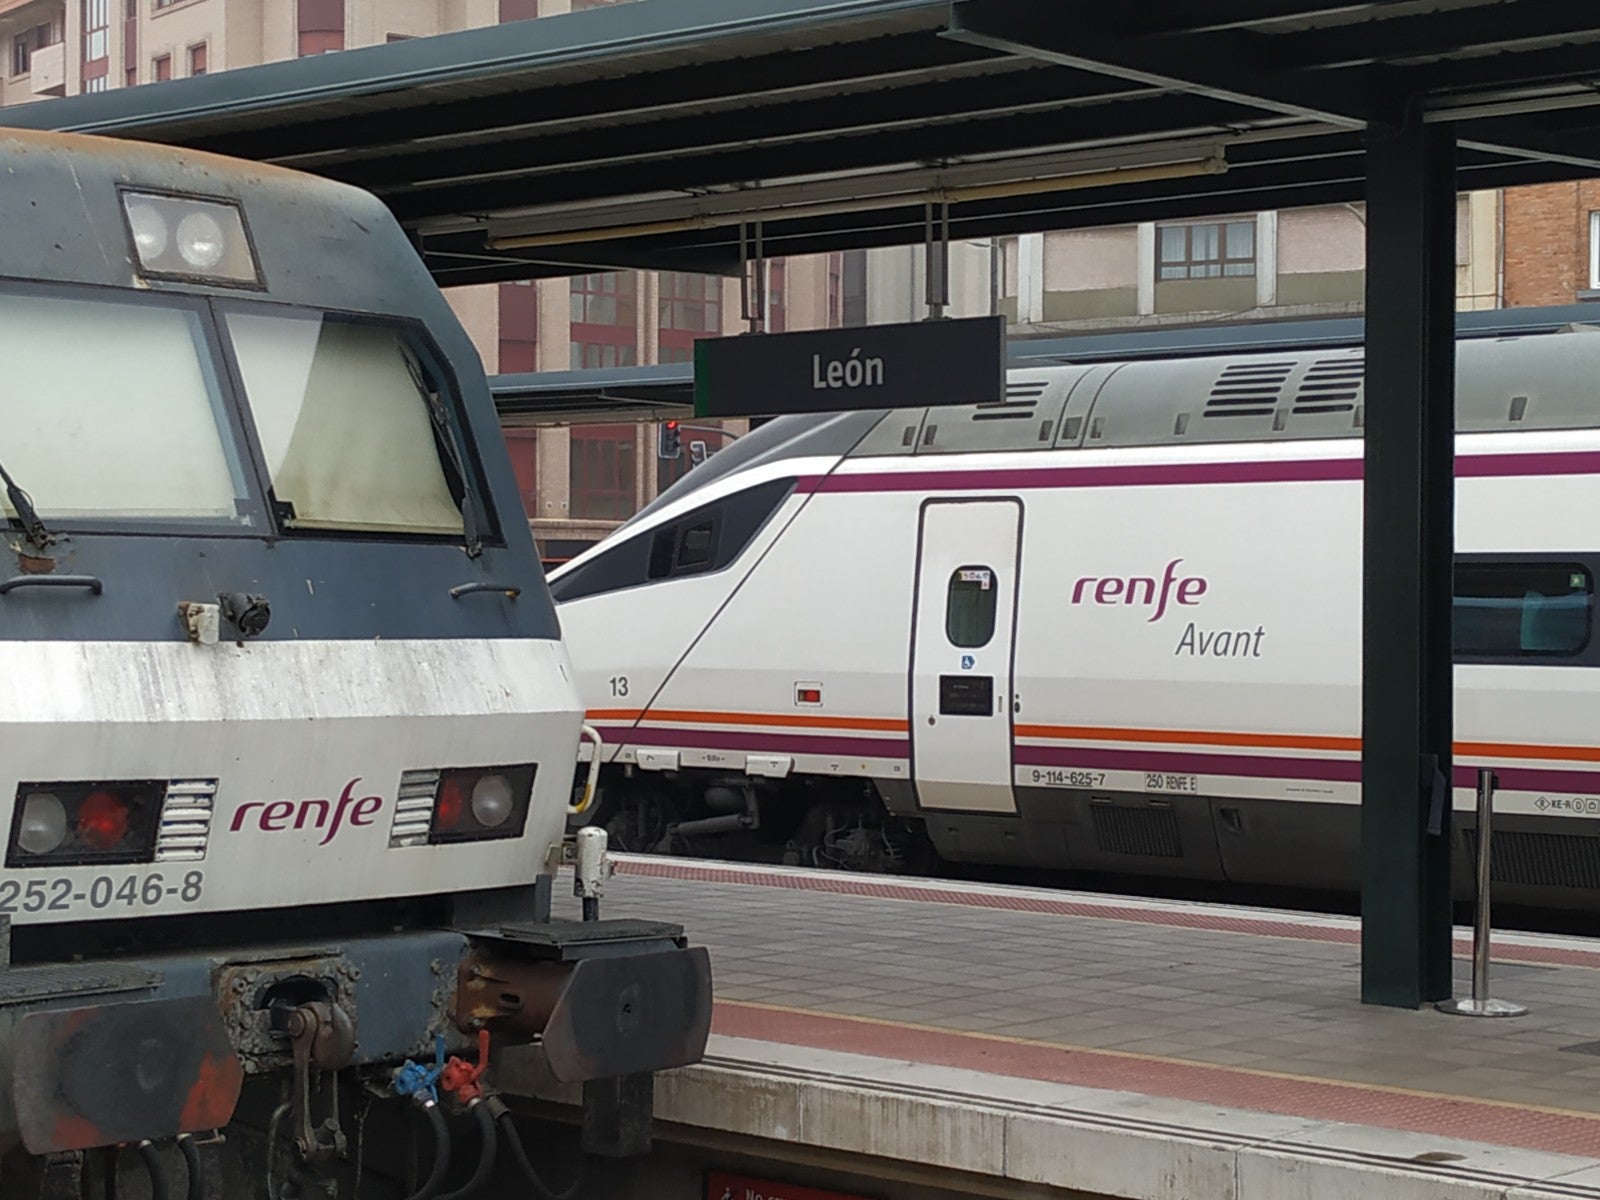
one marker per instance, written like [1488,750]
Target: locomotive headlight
[492,801]
[44,823]
[469,804]
[201,240]
[190,238]
[61,823]
[149,229]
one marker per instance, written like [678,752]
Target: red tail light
[476,804]
[103,820]
[63,824]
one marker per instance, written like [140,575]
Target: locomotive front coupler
[609,1002]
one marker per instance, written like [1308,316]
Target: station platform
[891,1037]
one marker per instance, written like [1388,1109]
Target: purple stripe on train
[1483,466]
[1265,766]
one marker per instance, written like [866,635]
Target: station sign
[960,361]
[720,1186]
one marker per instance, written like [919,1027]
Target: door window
[970,607]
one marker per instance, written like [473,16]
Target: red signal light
[672,424]
[451,804]
[102,820]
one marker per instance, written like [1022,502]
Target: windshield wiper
[22,505]
[445,438]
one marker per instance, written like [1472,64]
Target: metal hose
[441,1155]
[191,1157]
[160,1179]
[488,1144]
[513,1141]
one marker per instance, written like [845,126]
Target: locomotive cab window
[685,547]
[970,607]
[1520,610]
[708,539]
[354,436]
[113,412]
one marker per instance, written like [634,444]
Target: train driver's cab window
[1522,609]
[354,436]
[685,547]
[113,412]
[970,607]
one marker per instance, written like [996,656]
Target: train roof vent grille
[1022,399]
[1332,385]
[1248,389]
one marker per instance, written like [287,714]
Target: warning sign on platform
[743,1187]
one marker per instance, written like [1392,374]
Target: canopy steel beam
[1539,24]
[884,62]
[795,123]
[679,172]
[1408,560]
[1227,65]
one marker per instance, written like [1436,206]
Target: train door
[961,644]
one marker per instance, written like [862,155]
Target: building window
[519,327]
[601,464]
[98,83]
[1594,250]
[604,320]
[853,288]
[523,445]
[96,29]
[25,43]
[690,307]
[835,290]
[197,59]
[1208,251]
[161,68]
[320,24]
[777,284]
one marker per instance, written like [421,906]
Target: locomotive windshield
[111,410]
[118,410]
[343,415]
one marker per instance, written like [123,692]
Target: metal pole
[1480,1005]
[936,230]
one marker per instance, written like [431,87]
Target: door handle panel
[966,695]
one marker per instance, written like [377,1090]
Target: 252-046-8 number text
[101,892]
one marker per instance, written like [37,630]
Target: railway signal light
[669,440]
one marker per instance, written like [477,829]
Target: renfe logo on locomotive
[313,813]
[1140,590]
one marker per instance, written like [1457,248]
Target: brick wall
[1547,242]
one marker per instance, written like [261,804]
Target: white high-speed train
[1112,623]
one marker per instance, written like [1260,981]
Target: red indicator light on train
[102,820]
[451,804]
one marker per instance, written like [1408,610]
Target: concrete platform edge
[1100,1142]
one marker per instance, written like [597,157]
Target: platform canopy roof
[644,134]
[667,390]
